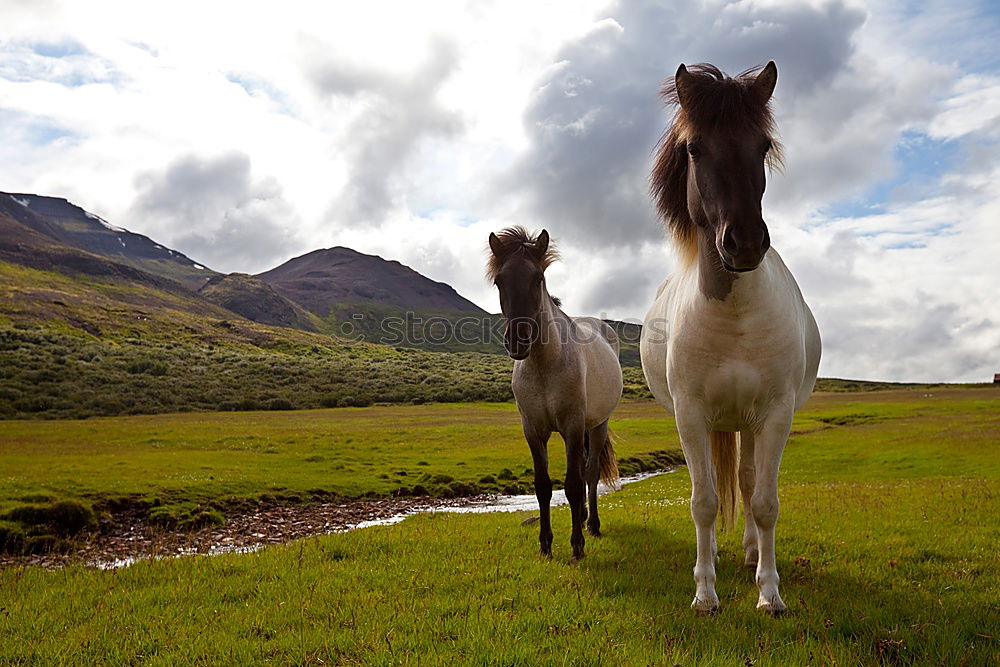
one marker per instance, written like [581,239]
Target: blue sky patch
[920,162]
[33,130]
[58,49]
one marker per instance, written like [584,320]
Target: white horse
[729,345]
[566,378]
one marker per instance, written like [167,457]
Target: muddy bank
[128,537]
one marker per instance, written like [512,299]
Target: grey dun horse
[566,378]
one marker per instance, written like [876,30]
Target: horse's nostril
[729,242]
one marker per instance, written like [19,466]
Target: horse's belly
[604,384]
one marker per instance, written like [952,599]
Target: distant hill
[59,220]
[325,281]
[255,300]
[365,297]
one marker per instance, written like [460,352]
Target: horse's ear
[542,244]
[764,83]
[683,84]
[495,244]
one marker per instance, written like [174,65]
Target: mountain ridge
[61,220]
[323,280]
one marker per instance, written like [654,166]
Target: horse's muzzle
[519,336]
[742,247]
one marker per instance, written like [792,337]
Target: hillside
[328,281]
[257,301]
[63,222]
[365,297]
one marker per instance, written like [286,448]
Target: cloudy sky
[245,136]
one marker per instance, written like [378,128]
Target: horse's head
[709,176]
[517,267]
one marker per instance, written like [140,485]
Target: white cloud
[414,129]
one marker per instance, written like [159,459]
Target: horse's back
[599,347]
[600,328]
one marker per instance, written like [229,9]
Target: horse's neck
[717,284]
[553,325]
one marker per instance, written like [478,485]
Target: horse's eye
[694,150]
[767,146]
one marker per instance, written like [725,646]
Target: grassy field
[886,547]
[180,464]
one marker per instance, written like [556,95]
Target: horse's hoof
[594,532]
[772,606]
[546,553]
[706,607]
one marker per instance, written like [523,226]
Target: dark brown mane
[517,239]
[715,100]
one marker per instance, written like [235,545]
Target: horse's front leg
[573,434]
[538,441]
[694,432]
[768,447]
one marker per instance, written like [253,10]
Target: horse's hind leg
[574,436]
[597,436]
[538,442]
[748,476]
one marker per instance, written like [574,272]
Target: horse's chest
[732,364]
[547,400]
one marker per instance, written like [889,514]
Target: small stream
[128,542]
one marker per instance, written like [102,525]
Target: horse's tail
[725,457]
[609,463]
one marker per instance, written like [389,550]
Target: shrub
[148,366]
[11,538]
[65,517]
[203,519]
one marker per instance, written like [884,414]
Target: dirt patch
[128,536]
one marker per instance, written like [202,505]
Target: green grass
[886,547]
[177,464]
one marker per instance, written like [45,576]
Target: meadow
[886,546]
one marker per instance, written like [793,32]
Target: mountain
[29,240]
[328,282]
[257,301]
[59,220]
[367,298]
